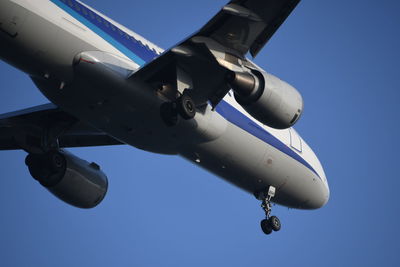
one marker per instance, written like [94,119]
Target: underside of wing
[247,25]
[201,65]
[28,129]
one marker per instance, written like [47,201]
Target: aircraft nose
[326,193]
[320,196]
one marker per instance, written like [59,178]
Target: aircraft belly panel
[253,165]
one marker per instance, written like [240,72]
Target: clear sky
[343,56]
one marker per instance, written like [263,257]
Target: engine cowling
[71,179]
[267,98]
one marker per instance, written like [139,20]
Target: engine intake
[267,98]
[71,179]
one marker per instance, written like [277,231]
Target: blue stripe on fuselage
[127,44]
[141,54]
[242,121]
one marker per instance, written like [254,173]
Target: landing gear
[270,223]
[184,106]
[48,169]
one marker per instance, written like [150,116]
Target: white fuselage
[43,37]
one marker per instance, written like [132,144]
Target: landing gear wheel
[186,107]
[48,169]
[270,223]
[183,106]
[36,167]
[266,227]
[274,223]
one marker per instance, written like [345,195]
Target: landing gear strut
[184,106]
[270,223]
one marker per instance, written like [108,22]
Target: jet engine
[71,179]
[267,98]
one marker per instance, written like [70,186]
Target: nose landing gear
[270,223]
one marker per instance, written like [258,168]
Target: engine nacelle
[71,179]
[267,98]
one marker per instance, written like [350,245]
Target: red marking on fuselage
[87,61]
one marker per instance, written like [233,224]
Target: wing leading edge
[247,25]
[219,48]
[240,27]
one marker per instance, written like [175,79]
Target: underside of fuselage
[74,67]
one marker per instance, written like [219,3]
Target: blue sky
[162,211]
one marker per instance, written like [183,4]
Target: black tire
[31,159]
[274,223]
[169,114]
[48,169]
[266,227]
[37,167]
[186,107]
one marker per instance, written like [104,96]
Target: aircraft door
[295,140]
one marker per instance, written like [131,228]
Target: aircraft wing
[25,128]
[247,25]
[240,27]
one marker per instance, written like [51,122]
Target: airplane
[203,99]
